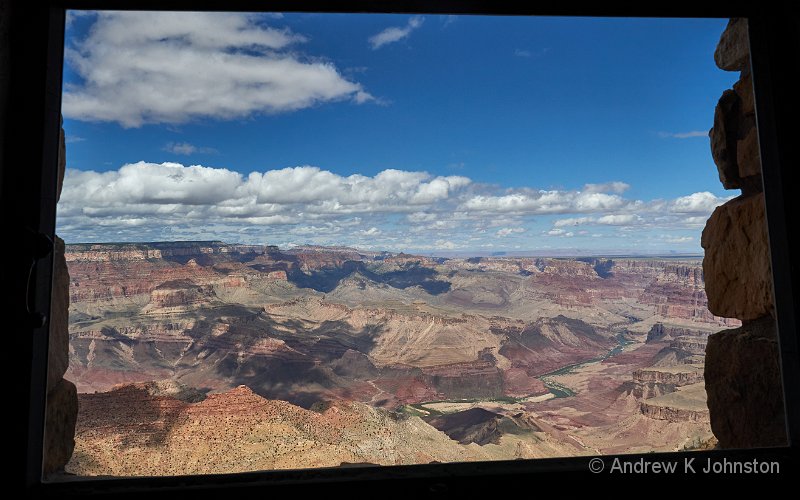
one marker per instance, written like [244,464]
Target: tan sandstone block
[733,49]
[60,420]
[736,265]
[723,139]
[748,157]
[743,385]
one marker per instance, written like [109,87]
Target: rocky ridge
[239,431]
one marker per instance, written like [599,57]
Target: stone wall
[62,396]
[742,370]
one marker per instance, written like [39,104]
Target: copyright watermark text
[683,465]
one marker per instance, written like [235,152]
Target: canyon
[200,357]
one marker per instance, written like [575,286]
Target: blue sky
[392,132]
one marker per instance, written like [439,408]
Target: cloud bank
[171,67]
[392,210]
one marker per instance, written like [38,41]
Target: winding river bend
[561,391]
[556,389]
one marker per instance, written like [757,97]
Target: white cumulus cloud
[618,219]
[696,203]
[172,67]
[156,196]
[393,209]
[546,202]
[688,212]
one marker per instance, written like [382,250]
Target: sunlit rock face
[737,262]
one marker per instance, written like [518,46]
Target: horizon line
[551,253]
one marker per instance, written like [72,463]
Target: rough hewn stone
[748,158]
[60,420]
[58,352]
[743,383]
[733,49]
[723,139]
[62,396]
[744,89]
[736,265]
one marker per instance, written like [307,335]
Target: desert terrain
[201,357]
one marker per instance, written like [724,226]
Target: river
[562,391]
[558,390]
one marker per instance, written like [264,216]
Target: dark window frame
[27,186]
